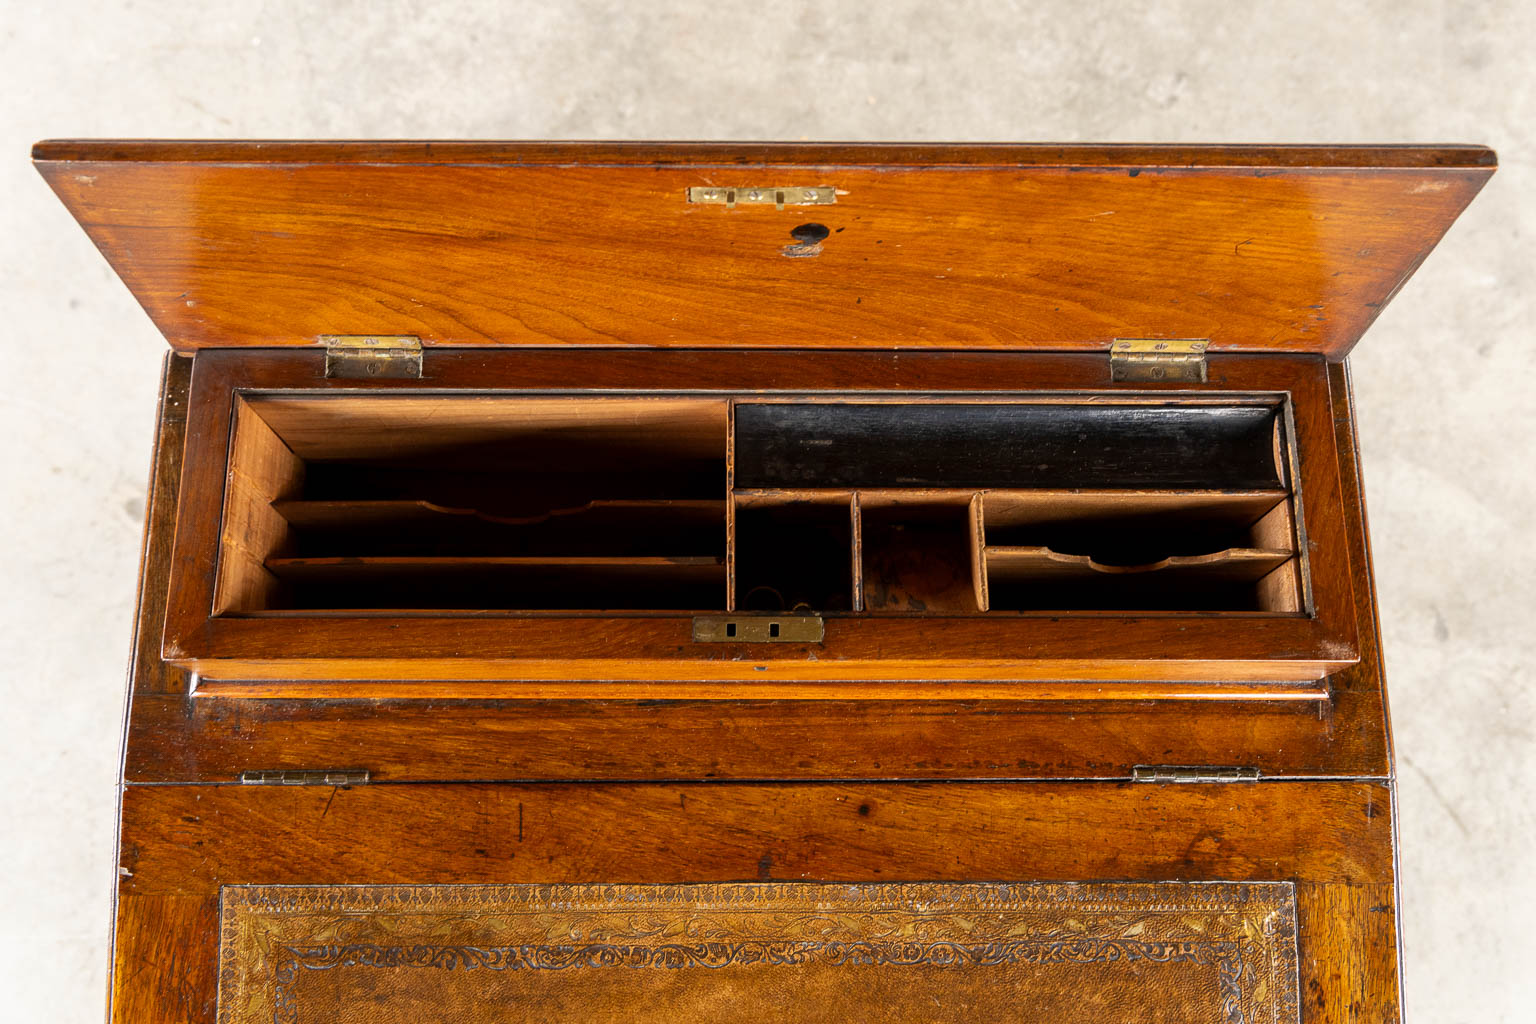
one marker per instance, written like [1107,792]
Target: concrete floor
[1443,379]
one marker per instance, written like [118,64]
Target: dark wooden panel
[190,839]
[1255,250]
[846,444]
[148,672]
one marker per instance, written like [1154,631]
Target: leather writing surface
[760,953]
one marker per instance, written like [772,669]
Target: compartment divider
[730,505]
[348,513]
[1280,590]
[1141,550]
[1234,565]
[857,566]
[977,524]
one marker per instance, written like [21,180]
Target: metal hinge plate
[1154,360]
[758,629]
[778,196]
[372,356]
[1192,773]
[306,777]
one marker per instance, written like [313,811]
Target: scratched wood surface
[1259,249]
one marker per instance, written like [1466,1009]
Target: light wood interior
[263,470]
[469,504]
[1160,551]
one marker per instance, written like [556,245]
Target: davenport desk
[625,582]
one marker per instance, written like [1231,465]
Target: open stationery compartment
[397,504]
[1066,540]
[1057,505]
[411,504]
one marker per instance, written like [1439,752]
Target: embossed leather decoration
[759,953]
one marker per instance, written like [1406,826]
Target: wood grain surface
[1266,249]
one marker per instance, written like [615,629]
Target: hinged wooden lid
[1023,247]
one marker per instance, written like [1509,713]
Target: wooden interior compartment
[477,502]
[474,502]
[634,637]
[795,551]
[1203,551]
[1044,503]
[915,553]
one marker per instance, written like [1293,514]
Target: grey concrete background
[1443,379]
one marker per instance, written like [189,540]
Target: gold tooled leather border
[269,934]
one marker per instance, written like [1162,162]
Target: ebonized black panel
[811,444]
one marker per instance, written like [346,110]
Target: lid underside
[1027,247]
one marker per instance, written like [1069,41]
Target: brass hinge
[778,196]
[758,629]
[1192,773]
[1155,359]
[306,777]
[372,356]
